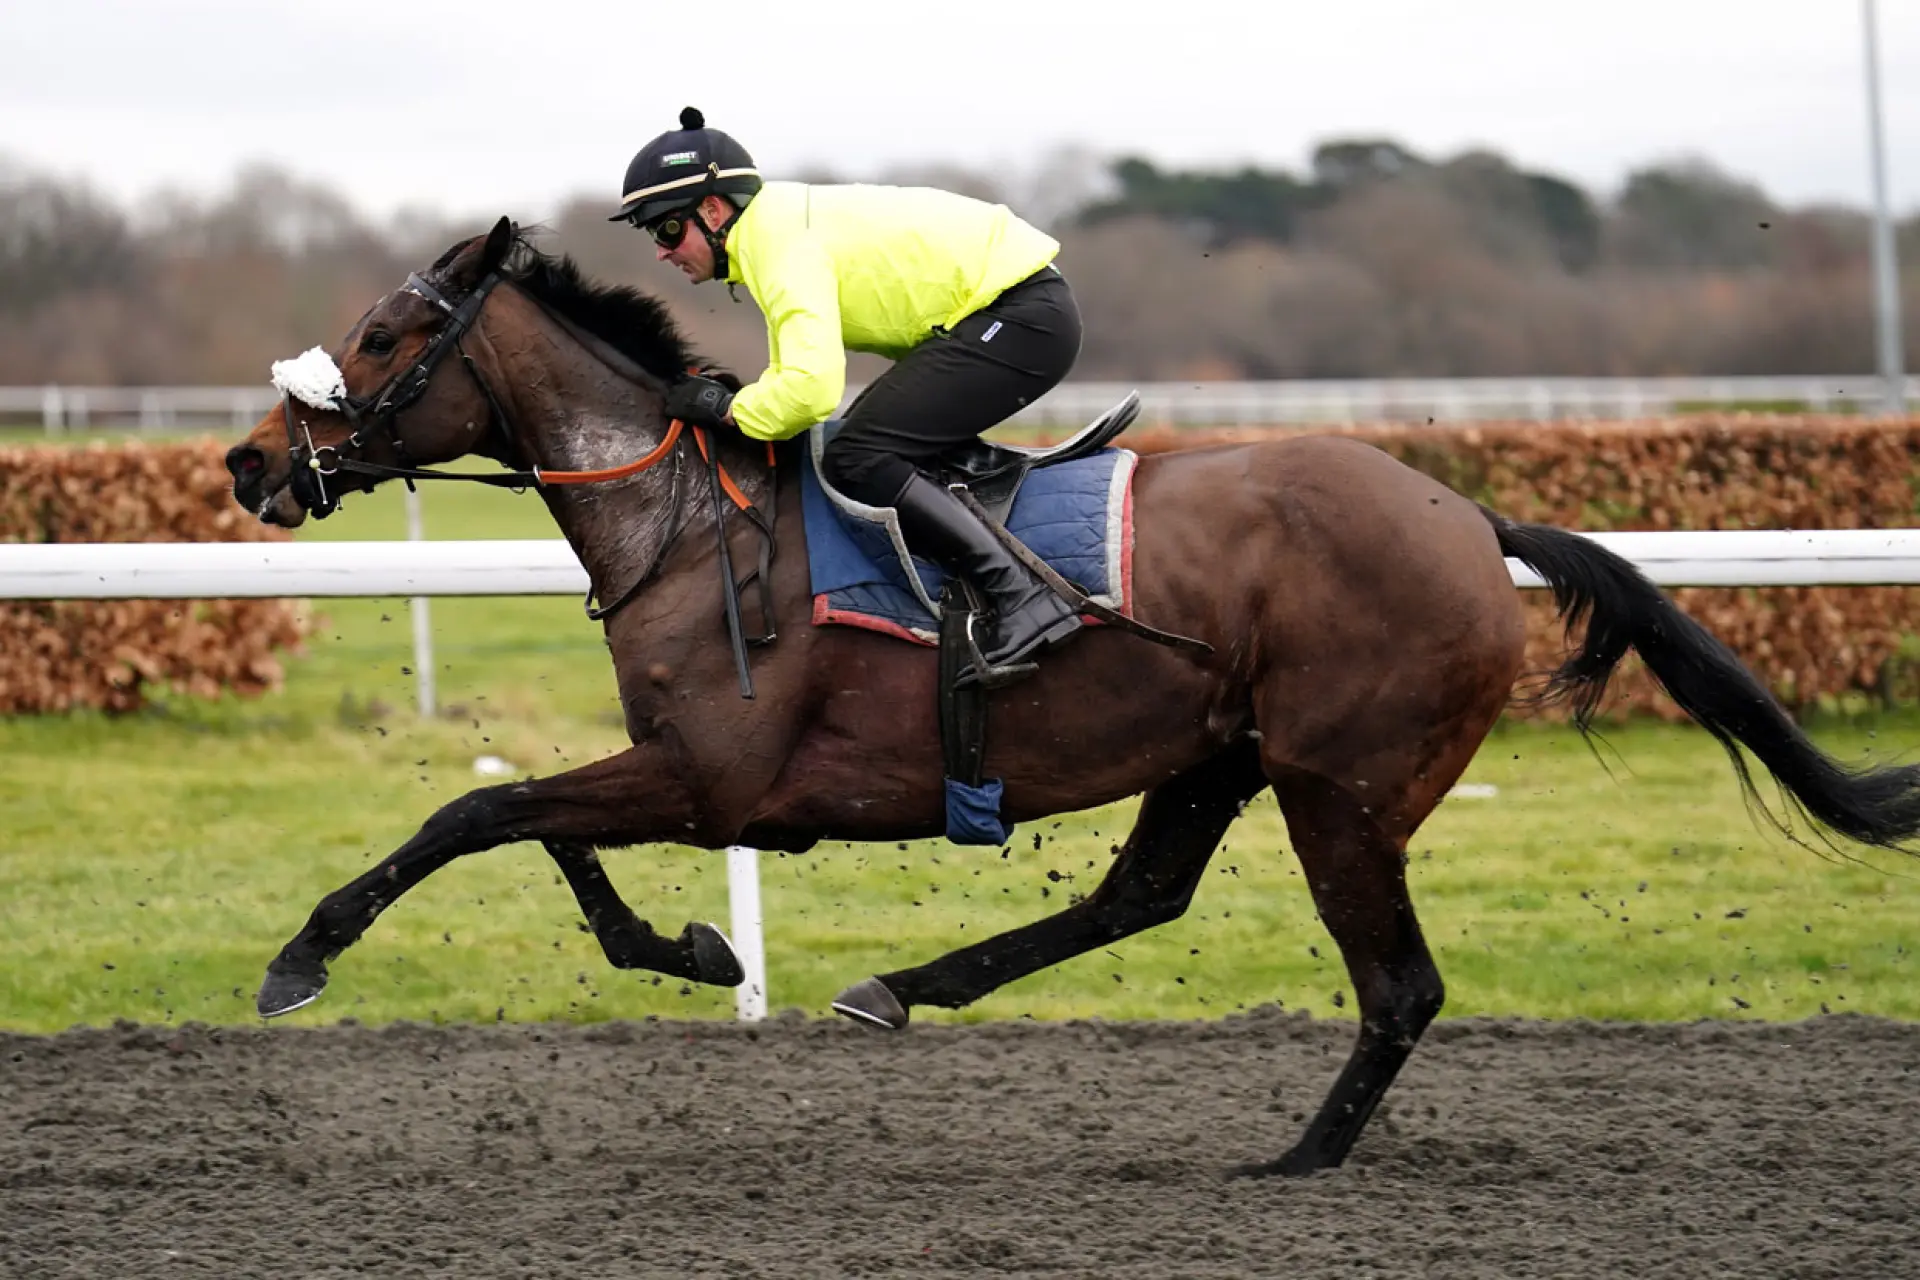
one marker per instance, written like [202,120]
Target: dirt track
[819,1149]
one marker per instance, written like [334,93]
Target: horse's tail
[1623,610]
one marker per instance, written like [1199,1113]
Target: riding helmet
[681,167]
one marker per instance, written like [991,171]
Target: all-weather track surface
[809,1148]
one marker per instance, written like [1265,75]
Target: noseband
[374,417]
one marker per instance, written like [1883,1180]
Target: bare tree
[1380,262]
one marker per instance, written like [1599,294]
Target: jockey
[962,295]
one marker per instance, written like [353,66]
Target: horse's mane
[634,323]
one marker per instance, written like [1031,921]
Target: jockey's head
[690,178]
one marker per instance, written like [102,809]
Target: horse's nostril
[245,461]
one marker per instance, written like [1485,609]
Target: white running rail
[1305,402]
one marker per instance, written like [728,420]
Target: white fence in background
[1317,401]
[547,566]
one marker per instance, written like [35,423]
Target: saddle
[993,472]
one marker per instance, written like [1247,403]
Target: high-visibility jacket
[862,268]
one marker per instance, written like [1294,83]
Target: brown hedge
[1810,644]
[115,654]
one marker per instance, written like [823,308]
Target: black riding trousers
[955,385]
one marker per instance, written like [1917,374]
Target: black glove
[699,402]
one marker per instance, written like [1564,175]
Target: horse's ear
[499,240]
[472,260]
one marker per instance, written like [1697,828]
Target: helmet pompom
[690,118]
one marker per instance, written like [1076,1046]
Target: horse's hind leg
[1180,823]
[700,954]
[1357,873]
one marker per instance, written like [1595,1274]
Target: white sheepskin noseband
[311,378]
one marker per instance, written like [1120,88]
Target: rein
[378,415]
[381,411]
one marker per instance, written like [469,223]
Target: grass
[151,865]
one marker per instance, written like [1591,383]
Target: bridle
[375,417]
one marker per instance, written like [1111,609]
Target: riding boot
[1027,614]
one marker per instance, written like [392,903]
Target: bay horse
[1365,635]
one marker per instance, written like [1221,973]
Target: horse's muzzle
[257,488]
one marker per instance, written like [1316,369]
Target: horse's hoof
[283,992]
[870,1002]
[714,956]
[1287,1166]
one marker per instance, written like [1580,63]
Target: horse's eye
[378,342]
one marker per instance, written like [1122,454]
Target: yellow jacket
[862,268]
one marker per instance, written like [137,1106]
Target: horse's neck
[571,412]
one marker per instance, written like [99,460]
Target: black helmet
[678,169]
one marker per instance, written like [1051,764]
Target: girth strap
[963,712]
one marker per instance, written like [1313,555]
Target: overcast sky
[479,107]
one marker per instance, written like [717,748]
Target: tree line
[1373,262]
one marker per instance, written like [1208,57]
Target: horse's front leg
[700,954]
[625,799]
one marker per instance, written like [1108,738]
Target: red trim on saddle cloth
[824,613]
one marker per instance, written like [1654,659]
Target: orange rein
[641,464]
[633,468]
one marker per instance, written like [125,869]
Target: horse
[1361,633]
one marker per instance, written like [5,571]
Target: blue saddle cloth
[1077,516]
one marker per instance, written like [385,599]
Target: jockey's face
[693,255]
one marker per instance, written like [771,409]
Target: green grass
[151,865]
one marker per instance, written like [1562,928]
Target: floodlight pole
[1886,267]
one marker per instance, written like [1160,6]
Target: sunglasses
[669,231]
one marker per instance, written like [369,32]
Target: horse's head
[386,399]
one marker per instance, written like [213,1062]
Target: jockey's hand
[699,402]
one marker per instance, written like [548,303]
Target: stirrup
[980,672]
